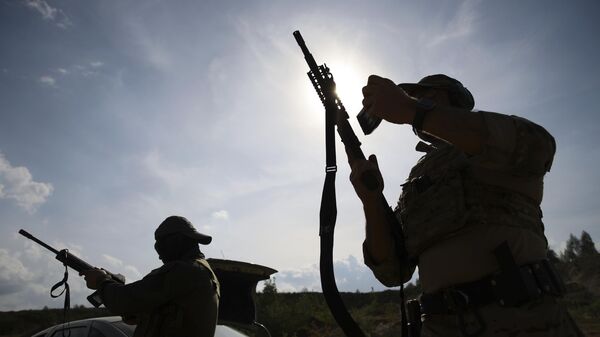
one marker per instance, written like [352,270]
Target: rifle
[77,264]
[335,114]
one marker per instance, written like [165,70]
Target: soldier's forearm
[378,232]
[462,128]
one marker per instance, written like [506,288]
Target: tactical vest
[443,195]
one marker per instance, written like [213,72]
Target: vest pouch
[432,214]
[494,205]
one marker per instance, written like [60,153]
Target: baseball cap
[459,95]
[178,224]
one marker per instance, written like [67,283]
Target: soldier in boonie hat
[469,212]
[458,94]
[455,93]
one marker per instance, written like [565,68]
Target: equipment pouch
[432,209]
[513,285]
[548,278]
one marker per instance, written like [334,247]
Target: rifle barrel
[38,241]
[312,64]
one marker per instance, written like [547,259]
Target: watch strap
[417,123]
[423,106]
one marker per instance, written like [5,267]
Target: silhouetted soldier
[470,212]
[181,298]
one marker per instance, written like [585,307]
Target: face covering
[177,247]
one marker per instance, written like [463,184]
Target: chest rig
[443,195]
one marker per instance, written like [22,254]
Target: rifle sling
[327,217]
[65,290]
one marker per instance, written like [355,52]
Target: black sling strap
[336,115]
[65,290]
[327,219]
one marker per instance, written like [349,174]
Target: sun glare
[349,82]
[348,86]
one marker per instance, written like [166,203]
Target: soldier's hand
[359,169]
[94,277]
[384,99]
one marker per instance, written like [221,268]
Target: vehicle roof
[108,319]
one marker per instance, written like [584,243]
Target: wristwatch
[423,106]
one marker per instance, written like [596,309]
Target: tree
[553,257]
[572,250]
[270,287]
[587,246]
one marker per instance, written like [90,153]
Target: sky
[116,114]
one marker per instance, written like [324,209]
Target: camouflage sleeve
[517,145]
[392,272]
[154,290]
[140,296]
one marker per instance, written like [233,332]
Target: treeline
[579,266]
[306,313]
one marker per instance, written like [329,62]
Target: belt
[535,280]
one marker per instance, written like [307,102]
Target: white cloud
[47,80]
[26,277]
[18,185]
[112,261]
[74,249]
[460,26]
[49,13]
[116,265]
[13,274]
[87,69]
[221,215]
[350,274]
[132,272]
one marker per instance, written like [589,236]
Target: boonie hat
[459,95]
[178,224]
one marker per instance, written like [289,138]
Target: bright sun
[348,86]
[349,83]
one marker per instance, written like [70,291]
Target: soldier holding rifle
[470,214]
[181,298]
